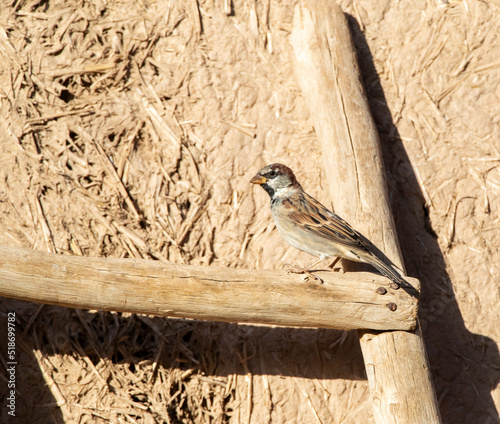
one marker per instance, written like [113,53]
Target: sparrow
[309,226]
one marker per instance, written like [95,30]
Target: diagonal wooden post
[327,71]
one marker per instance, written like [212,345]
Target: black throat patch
[268,189]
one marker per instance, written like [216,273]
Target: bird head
[275,178]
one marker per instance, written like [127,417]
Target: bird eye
[272,173]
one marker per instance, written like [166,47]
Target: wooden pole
[347,301]
[327,71]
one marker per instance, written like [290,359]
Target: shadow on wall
[465,366]
[124,347]
[32,401]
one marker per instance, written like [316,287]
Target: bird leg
[332,265]
[294,269]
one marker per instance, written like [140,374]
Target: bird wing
[310,215]
[316,219]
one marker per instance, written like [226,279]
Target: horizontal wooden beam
[342,301]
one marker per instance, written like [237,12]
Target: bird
[309,226]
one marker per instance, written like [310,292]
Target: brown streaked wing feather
[313,217]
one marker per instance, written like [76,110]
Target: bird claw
[294,269]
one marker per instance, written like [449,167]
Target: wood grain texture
[343,301]
[328,74]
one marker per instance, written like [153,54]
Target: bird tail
[386,270]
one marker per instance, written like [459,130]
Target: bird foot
[294,269]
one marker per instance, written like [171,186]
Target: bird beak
[258,179]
